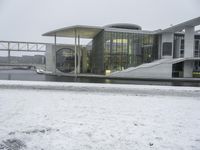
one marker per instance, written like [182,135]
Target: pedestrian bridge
[26,54]
[22,46]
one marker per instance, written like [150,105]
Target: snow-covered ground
[80,116]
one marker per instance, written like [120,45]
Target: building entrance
[177,70]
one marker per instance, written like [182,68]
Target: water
[31,75]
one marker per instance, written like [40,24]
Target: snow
[82,116]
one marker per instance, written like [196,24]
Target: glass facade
[179,45]
[115,51]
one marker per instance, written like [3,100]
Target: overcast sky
[26,20]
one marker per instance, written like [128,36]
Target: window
[65,60]
[196,44]
[167,49]
[182,44]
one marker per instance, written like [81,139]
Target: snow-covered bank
[66,119]
[104,88]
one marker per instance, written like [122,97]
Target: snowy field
[80,116]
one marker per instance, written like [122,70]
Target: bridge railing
[23,46]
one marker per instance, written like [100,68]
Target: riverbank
[103,88]
[97,76]
[55,116]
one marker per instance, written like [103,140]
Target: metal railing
[22,46]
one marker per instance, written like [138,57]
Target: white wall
[188,69]
[50,59]
[51,56]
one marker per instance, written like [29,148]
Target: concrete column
[188,69]
[9,60]
[75,49]
[177,44]
[50,58]
[84,60]
[159,46]
[189,42]
[79,56]
[54,54]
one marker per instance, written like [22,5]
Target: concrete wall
[188,69]
[51,56]
[50,59]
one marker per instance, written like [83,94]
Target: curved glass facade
[115,51]
[65,60]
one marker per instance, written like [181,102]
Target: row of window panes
[129,45]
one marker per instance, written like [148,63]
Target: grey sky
[26,20]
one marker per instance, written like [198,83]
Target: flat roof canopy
[190,23]
[87,32]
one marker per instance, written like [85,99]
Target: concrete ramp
[157,69]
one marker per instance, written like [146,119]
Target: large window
[167,49]
[65,60]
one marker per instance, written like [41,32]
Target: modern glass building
[125,50]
